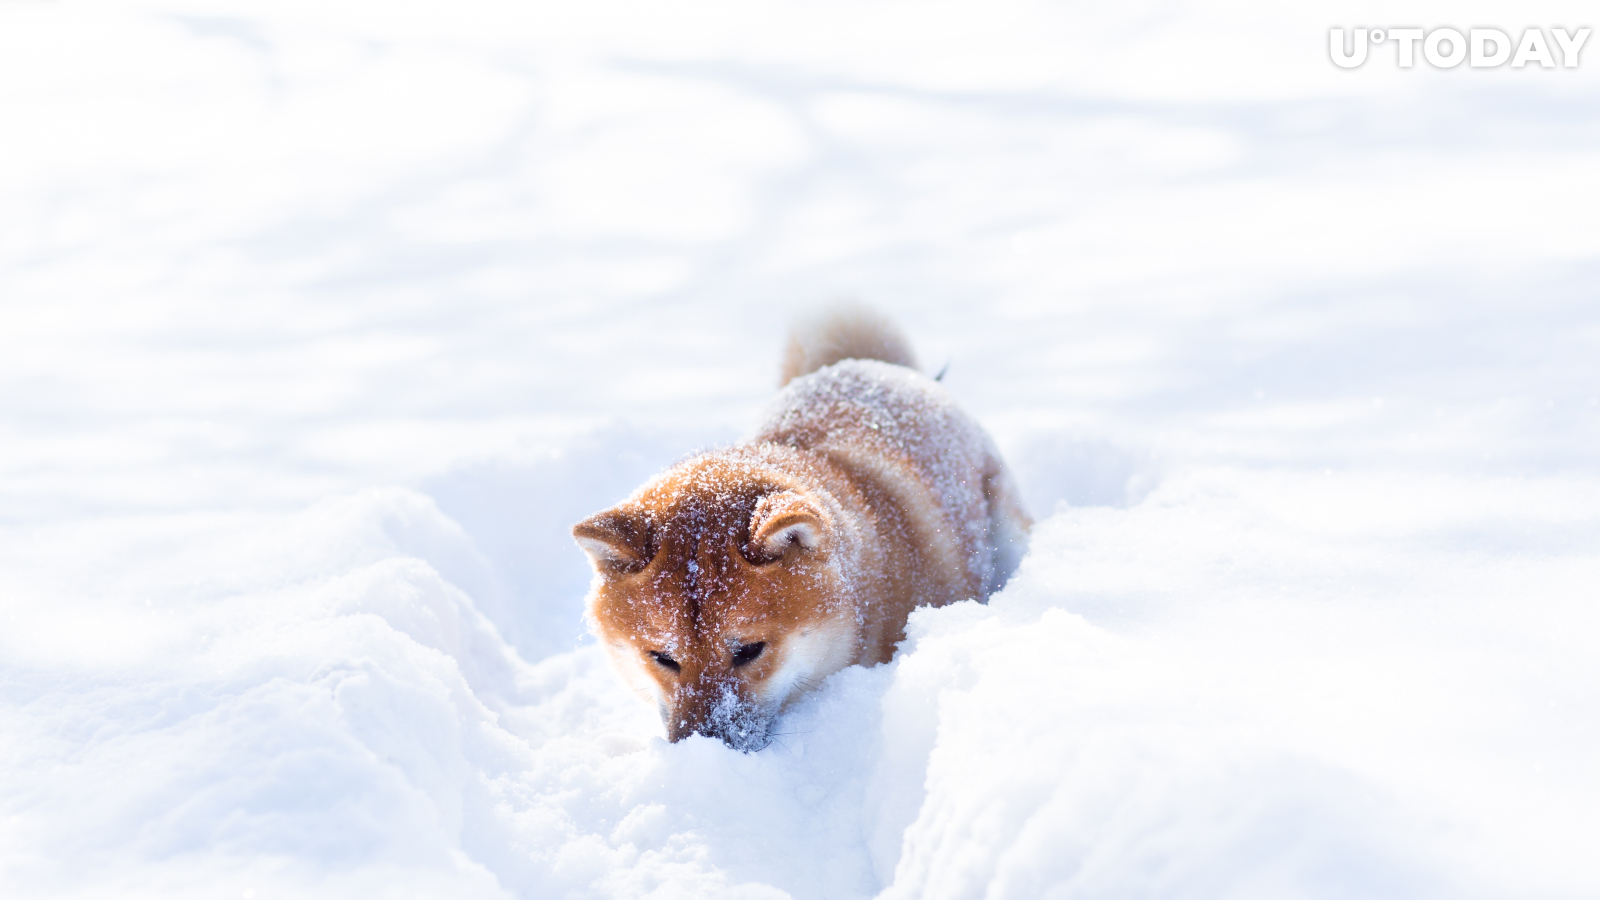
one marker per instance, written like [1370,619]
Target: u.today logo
[1446,48]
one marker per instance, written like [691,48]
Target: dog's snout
[740,737]
[718,713]
[678,729]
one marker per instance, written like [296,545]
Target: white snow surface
[323,322]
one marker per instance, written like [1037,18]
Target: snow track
[322,325]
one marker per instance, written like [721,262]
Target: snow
[324,322]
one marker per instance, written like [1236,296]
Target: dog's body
[740,577]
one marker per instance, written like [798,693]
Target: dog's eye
[747,653]
[664,660]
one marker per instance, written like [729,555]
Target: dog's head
[721,592]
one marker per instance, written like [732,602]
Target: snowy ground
[322,323]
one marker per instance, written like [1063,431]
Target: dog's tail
[840,331]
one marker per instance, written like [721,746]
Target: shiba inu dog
[740,577]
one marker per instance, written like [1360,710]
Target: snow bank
[323,323]
[1233,688]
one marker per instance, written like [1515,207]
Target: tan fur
[865,494]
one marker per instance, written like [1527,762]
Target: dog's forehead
[703,490]
[699,582]
[696,529]
[700,587]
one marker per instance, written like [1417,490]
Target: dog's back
[852,394]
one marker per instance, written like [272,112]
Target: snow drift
[323,324]
[1211,693]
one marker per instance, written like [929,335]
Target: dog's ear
[783,522]
[618,539]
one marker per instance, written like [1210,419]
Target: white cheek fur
[630,665]
[812,654]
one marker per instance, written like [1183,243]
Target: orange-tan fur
[740,578]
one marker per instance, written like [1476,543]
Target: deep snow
[322,324]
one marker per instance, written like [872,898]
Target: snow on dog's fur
[741,577]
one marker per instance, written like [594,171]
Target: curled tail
[842,331]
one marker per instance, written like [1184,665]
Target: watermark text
[1446,48]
